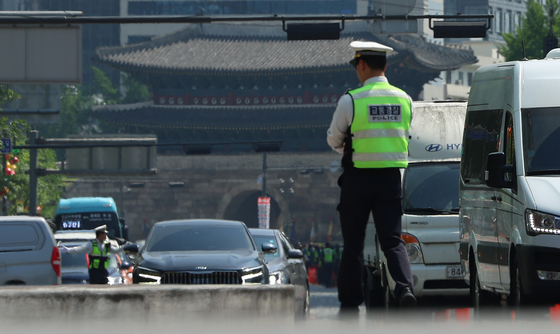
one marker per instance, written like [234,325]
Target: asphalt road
[438,312]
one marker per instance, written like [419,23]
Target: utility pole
[33,134]
[264,175]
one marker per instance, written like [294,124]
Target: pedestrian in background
[370,128]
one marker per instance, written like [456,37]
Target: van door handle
[494,198]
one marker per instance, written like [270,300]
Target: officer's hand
[63,249]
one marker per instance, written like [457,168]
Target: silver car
[28,252]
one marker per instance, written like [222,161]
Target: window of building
[460,81]
[516,20]
[507,21]
[448,77]
[490,12]
[469,78]
[498,20]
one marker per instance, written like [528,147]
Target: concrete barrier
[146,303]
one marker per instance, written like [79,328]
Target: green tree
[14,183]
[535,26]
[50,188]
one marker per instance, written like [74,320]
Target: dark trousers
[98,276]
[376,191]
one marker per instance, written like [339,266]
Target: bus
[87,213]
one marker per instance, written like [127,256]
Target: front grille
[219,277]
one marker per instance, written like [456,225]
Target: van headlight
[252,275]
[541,223]
[148,276]
[413,249]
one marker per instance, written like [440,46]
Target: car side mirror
[295,254]
[496,170]
[268,248]
[131,248]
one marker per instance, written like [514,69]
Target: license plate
[454,272]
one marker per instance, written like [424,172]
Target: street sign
[7,146]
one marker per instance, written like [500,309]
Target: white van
[430,223]
[28,253]
[510,182]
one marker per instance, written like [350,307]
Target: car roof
[200,222]
[81,204]
[262,231]
[4,219]
[75,235]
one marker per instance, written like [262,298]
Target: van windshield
[541,140]
[430,188]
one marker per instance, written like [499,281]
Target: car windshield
[541,140]
[170,238]
[264,239]
[431,188]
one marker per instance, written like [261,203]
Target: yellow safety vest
[98,259]
[380,127]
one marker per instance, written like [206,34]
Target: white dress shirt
[87,247]
[343,116]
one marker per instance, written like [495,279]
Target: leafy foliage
[535,26]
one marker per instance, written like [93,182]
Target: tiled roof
[236,118]
[191,50]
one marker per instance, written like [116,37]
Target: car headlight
[148,276]
[541,223]
[277,277]
[252,275]
[413,249]
[114,280]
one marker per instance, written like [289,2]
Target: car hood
[200,260]
[546,193]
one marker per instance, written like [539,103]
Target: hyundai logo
[434,147]
[201,268]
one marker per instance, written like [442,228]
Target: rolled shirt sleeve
[342,120]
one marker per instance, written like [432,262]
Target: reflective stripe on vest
[98,258]
[327,255]
[380,126]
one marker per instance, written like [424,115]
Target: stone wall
[226,187]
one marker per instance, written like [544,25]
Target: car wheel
[479,297]
[517,296]
[306,302]
[388,299]
[373,290]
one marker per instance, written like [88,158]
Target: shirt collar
[376,79]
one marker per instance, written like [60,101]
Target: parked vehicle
[430,224]
[201,251]
[28,252]
[87,213]
[509,188]
[286,265]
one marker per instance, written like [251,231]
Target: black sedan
[201,251]
[286,265]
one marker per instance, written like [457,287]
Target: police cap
[100,229]
[368,49]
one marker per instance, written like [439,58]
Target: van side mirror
[496,170]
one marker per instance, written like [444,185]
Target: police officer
[99,250]
[370,128]
[328,262]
